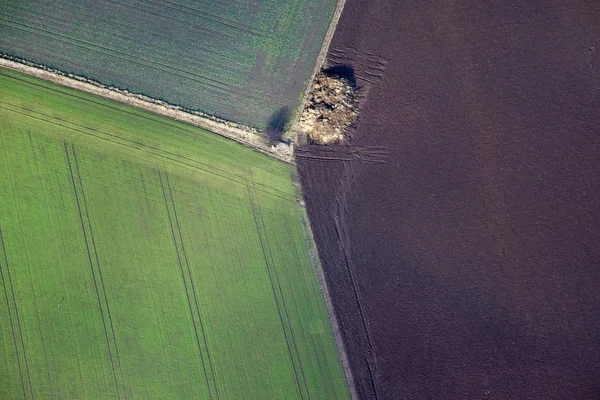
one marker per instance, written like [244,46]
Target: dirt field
[459,229]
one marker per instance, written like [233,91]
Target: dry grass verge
[242,134]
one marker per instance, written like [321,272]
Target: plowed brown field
[459,230]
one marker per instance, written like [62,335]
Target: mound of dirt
[331,109]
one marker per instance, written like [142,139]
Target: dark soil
[464,257]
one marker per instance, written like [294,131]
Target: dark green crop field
[243,61]
[141,258]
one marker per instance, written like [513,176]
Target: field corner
[294,133]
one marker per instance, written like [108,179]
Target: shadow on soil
[344,71]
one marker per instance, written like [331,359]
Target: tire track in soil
[185,284]
[372,154]
[87,247]
[212,370]
[262,245]
[10,317]
[280,289]
[100,272]
[340,223]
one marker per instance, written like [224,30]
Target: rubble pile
[331,109]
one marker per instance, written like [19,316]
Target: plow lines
[144,258]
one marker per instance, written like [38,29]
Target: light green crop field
[142,258]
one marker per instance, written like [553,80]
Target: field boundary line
[129,140]
[262,245]
[112,328]
[165,155]
[244,135]
[187,263]
[87,246]
[331,311]
[333,22]
[10,317]
[185,285]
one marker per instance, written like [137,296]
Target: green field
[243,61]
[142,258]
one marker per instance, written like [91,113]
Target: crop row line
[187,291]
[285,308]
[18,319]
[285,27]
[191,279]
[217,18]
[99,269]
[110,184]
[328,378]
[307,297]
[124,56]
[174,157]
[95,279]
[45,18]
[103,104]
[155,151]
[275,282]
[312,339]
[242,283]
